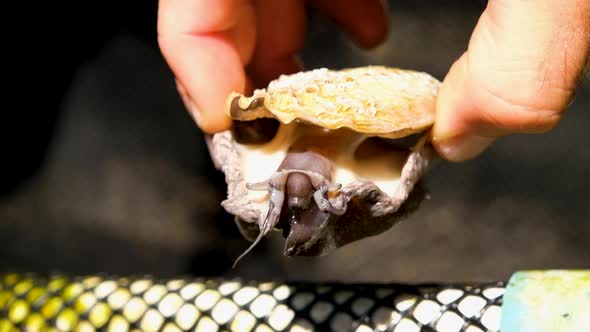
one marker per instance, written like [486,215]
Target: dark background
[104,171]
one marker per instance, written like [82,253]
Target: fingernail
[193,111]
[463,148]
[188,103]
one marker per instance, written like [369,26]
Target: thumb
[519,74]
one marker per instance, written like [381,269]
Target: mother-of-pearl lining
[260,162]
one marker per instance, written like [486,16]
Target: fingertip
[369,37]
[372,32]
[206,43]
[208,70]
[463,148]
[450,100]
[209,122]
[264,71]
[275,53]
[453,135]
[365,21]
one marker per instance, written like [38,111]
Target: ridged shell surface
[377,100]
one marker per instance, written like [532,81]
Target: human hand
[215,47]
[519,74]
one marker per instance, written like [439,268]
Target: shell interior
[355,157]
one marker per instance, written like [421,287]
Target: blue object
[547,301]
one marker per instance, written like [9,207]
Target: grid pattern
[103,303]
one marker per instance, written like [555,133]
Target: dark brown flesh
[301,216]
[297,203]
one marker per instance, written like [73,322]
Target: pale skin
[518,74]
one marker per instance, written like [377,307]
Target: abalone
[345,162]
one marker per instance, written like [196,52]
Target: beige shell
[335,119]
[377,100]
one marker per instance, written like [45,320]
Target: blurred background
[104,171]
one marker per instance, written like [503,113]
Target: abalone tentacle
[322,186]
[276,187]
[323,202]
[280,180]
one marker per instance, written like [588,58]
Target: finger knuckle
[531,111]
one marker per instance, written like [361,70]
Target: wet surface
[127,186]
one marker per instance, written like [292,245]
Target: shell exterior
[376,100]
[369,101]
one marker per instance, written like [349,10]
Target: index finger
[195,37]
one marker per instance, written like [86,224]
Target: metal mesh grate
[98,303]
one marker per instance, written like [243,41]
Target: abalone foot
[358,223]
